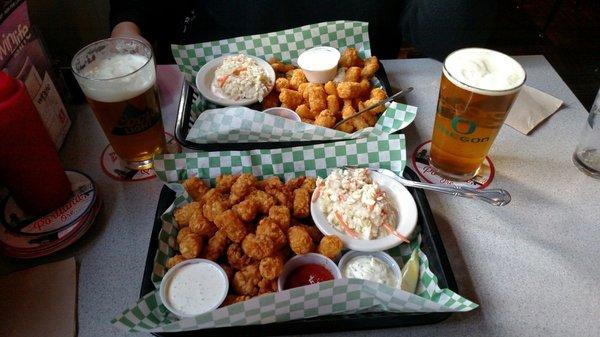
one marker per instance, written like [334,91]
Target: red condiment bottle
[29,164]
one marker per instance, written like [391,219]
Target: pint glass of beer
[118,78]
[477,89]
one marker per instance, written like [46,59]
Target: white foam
[107,80]
[484,71]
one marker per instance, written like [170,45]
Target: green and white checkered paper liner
[342,296]
[237,124]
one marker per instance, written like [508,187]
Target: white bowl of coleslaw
[235,79]
[367,210]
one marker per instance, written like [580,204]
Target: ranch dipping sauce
[319,64]
[195,288]
[370,268]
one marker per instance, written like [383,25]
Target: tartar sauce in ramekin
[370,268]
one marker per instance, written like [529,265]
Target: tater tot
[281,83]
[244,184]
[300,240]
[191,246]
[291,98]
[271,100]
[365,86]
[280,67]
[270,228]
[247,209]
[304,111]
[230,223]
[265,201]
[297,78]
[213,208]
[330,246]
[270,267]
[184,213]
[376,110]
[346,127]
[371,65]
[350,58]
[183,232]
[302,87]
[306,90]
[225,181]
[195,187]
[325,118]
[174,260]
[333,104]
[282,216]
[352,74]
[301,203]
[199,224]
[258,246]
[310,183]
[359,123]
[317,98]
[370,119]
[330,88]
[216,246]
[236,257]
[348,110]
[348,90]
[245,281]
[378,93]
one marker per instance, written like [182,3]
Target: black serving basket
[431,245]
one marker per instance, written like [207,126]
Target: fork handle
[494,196]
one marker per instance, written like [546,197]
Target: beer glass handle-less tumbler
[587,153]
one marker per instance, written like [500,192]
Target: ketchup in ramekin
[307,274]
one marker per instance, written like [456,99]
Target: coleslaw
[240,77]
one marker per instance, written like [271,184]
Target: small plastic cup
[283,112]
[385,257]
[319,64]
[310,258]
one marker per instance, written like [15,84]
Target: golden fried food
[307,120]
[306,90]
[182,233]
[348,90]
[317,98]
[236,257]
[271,100]
[233,299]
[211,209]
[330,246]
[282,83]
[228,271]
[283,197]
[242,187]
[230,223]
[297,78]
[270,228]
[304,111]
[212,195]
[301,203]
[350,58]
[184,213]
[378,93]
[374,111]
[199,224]
[245,281]
[265,201]
[271,267]
[371,66]
[172,261]
[365,87]
[314,232]
[346,127]
[191,246]
[302,88]
[300,240]
[310,183]
[326,119]
[258,246]
[352,74]
[225,181]
[195,187]
[330,88]
[291,98]
[247,209]
[216,246]
[348,110]
[359,123]
[295,183]
[333,104]
[267,286]
[280,67]
[281,215]
[270,183]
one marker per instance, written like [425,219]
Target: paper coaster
[114,167]
[420,162]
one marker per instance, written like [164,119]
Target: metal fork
[494,196]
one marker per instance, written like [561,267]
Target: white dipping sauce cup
[319,64]
[283,112]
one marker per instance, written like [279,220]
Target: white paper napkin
[530,109]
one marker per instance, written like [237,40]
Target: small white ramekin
[310,258]
[283,112]
[383,256]
[316,74]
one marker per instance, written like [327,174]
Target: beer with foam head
[118,78]
[477,89]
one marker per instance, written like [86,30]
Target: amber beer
[118,77]
[477,89]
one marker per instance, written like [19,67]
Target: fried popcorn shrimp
[330,88]
[371,65]
[271,100]
[172,261]
[182,233]
[348,90]
[270,228]
[258,246]
[281,215]
[317,98]
[291,98]
[378,93]
[242,187]
[231,224]
[211,209]
[352,74]
[271,267]
[247,209]
[301,203]
[184,213]
[350,58]
[297,78]
[245,281]
[333,104]
[216,246]
[199,224]
[300,240]
[265,201]
[267,286]
[233,299]
[314,232]
[330,246]
[225,181]
[195,187]
[191,246]
[304,111]
[326,119]
[236,257]
[282,83]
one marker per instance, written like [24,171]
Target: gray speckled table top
[531,265]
